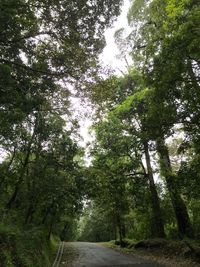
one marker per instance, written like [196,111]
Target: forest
[142,177]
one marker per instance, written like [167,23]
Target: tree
[132,113]
[165,51]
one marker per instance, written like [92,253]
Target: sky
[110,52]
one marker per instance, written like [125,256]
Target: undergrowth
[28,248]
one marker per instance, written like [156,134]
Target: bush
[24,249]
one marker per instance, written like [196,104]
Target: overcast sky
[111,51]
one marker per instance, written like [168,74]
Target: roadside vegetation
[45,47]
[173,253]
[143,179]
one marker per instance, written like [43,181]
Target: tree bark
[29,214]
[23,169]
[180,209]
[20,180]
[8,167]
[157,222]
[120,230]
[47,212]
[51,226]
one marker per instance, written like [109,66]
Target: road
[82,254]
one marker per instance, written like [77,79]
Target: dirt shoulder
[168,253]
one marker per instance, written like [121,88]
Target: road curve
[82,254]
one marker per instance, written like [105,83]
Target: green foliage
[44,183]
[24,248]
[96,225]
[44,46]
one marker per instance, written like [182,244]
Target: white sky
[111,51]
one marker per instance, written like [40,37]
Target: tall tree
[133,115]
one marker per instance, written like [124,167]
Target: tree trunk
[23,169]
[120,234]
[120,230]
[123,227]
[157,222]
[20,180]
[31,188]
[115,228]
[180,209]
[48,210]
[51,227]
[29,214]
[8,168]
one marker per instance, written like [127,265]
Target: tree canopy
[143,175]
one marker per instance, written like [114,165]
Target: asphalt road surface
[82,254]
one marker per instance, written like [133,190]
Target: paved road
[82,254]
